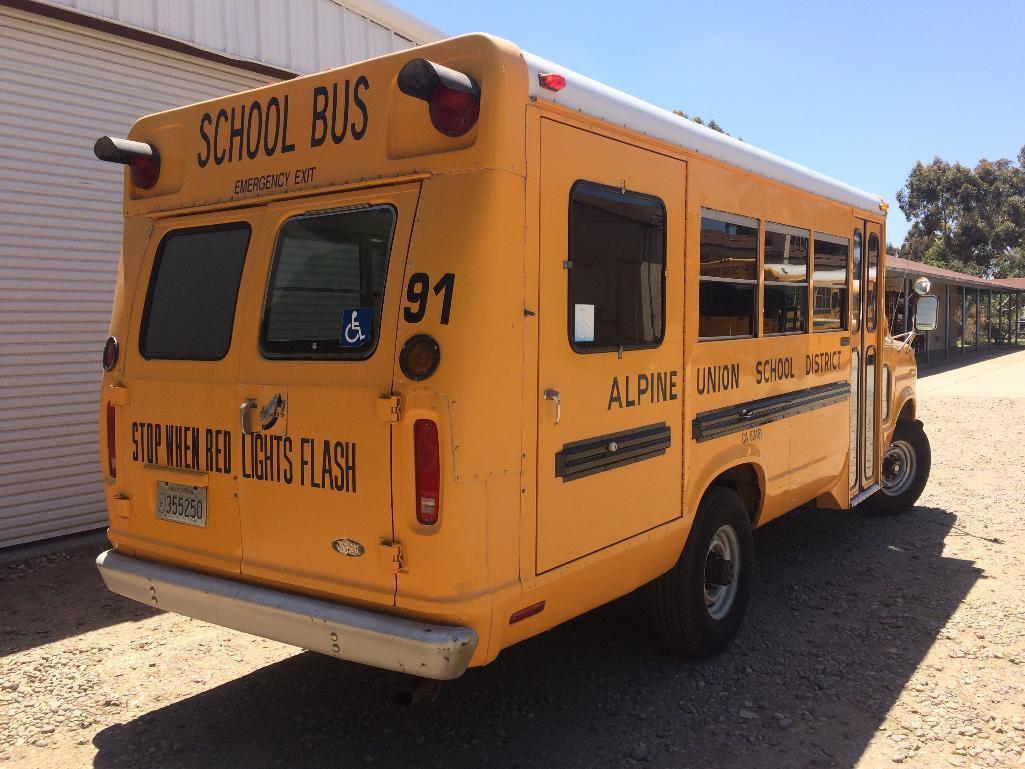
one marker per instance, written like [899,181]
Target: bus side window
[830,282]
[785,287]
[617,244]
[729,275]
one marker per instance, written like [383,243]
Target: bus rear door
[314,391]
[175,409]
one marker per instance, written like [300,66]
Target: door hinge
[391,556]
[118,395]
[121,506]
[388,408]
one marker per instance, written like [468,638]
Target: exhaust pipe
[418,690]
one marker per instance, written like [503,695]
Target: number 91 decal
[418,293]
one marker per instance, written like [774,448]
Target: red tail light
[111,442]
[453,112]
[428,471]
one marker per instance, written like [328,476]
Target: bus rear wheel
[698,605]
[904,472]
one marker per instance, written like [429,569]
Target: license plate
[181,503]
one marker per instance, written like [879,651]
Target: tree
[967,219]
[697,119]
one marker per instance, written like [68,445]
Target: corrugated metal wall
[297,35]
[62,86]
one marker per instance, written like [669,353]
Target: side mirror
[926,310]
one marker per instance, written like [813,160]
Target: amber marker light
[419,357]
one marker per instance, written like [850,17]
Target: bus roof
[582,94]
[274,140]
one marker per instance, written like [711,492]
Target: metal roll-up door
[62,86]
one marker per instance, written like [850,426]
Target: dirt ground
[870,642]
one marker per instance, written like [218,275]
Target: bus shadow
[35,605]
[845,610]
[957,360]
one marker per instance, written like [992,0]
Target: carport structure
[976,314]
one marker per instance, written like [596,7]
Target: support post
[989,320]
[946,326]
[1003,311]
[978,311]
[1017,315]
[963,293]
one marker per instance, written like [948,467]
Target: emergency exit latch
[392,557]
[388,408]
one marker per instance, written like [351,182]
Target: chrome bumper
[417,648]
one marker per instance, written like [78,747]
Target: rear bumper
[431,651]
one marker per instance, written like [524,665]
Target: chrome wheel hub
[722,572]
[899,466]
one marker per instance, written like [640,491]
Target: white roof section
[300,36]
[600,101]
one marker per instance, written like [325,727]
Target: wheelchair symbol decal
[356,326]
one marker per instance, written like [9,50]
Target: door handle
[551,394]
[243,415]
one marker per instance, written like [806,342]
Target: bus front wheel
[698,605]
[905,471]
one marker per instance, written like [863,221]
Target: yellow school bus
[415,359]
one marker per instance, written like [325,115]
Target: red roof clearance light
[552,81]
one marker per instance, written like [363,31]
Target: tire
[904,472]
[686,618]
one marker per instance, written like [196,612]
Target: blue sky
[859,91]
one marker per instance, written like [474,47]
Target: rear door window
[327,284]
[190,304]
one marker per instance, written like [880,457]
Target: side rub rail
[359,635]
[606,452]
[734,419]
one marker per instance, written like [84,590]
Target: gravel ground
[869,643]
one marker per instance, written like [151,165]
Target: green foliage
[967,219]
[697,119]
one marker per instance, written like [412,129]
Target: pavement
[869,643]
[1001,375]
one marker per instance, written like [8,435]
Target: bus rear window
[190,305]
[326,289]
